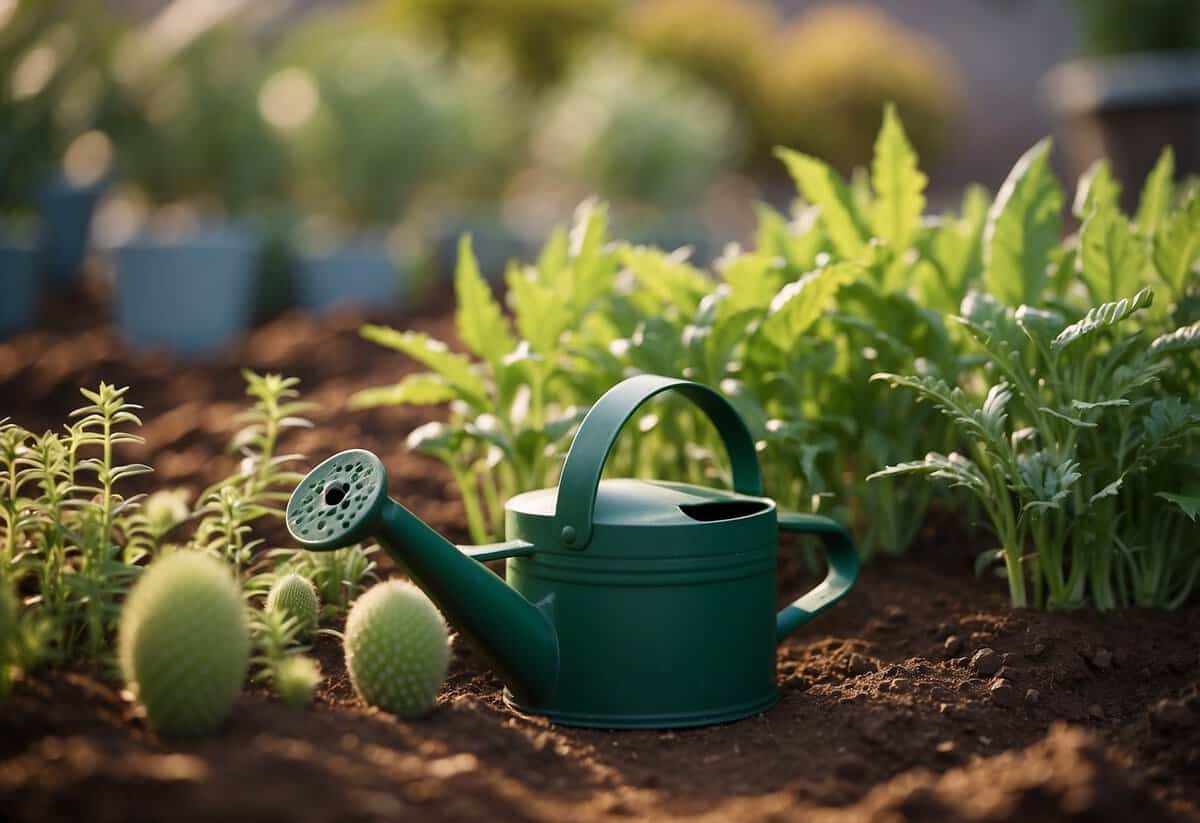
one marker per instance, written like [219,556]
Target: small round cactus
[295,595]
[396,648]
[296,679]
[184,644]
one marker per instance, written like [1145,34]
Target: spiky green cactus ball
[184,644]
[396,648]
[295,595]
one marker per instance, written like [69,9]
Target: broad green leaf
[1155,201]
[801,303]
[1177,247]
[1112,258]
[1097,190]
[416,389]
[1023,225]
[899,184]
[554,256]
[1188,504]
[953,253]
[753,279]
[1185,338]
[481,324]
[822,187]
[538,309]
[439,439]
[1102,317]
[454,368]
[797,242]
[670,279]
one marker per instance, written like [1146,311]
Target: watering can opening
[716,510]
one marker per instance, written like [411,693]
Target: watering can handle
[603,423]
[842,558]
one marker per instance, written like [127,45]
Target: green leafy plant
[511,403]
[281,660]
[1159,25]
[228,509]
[397,649]
[184,643]
[1079,426]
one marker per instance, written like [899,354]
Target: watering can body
[626,603]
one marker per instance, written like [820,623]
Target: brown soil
[892,707]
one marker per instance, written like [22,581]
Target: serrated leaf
[538,309]
[1023,226]
[455,369]
[1102,317]
[797,242]
[1112,258]
[480,323]
[823,187]
[669,278]
[424,389]
[1111,490]
[1155,200]
[899,184]
[1177,247]
[800,304]
[1097,190]
[1182,339]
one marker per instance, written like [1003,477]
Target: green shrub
[834,67]
[634,131]
[184,644]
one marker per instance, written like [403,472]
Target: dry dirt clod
[859,665]
[1032,696]
[1002,693]
[1171,715]
[953,645]
[985,662]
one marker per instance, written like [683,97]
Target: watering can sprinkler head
[340,502]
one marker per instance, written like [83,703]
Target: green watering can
[627,603]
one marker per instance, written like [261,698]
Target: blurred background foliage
[436,111]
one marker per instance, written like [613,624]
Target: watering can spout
[344,501]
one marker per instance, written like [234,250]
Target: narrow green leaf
[1097,190]
[1182,339]
[1023,226]
[1155,201]
[456,369]
[480,323]
[1177,247]
[416,389]
[899,184]
[1112,258]
[1102,317]
[822,187]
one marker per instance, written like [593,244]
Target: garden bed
[887,706]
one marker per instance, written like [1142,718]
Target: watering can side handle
[842,558]
[585,459]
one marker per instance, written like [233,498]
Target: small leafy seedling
[184,644]
[296,597]
[396,649]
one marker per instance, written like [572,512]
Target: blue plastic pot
[18,285]
[364,274]
[192,296]
[66,212]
